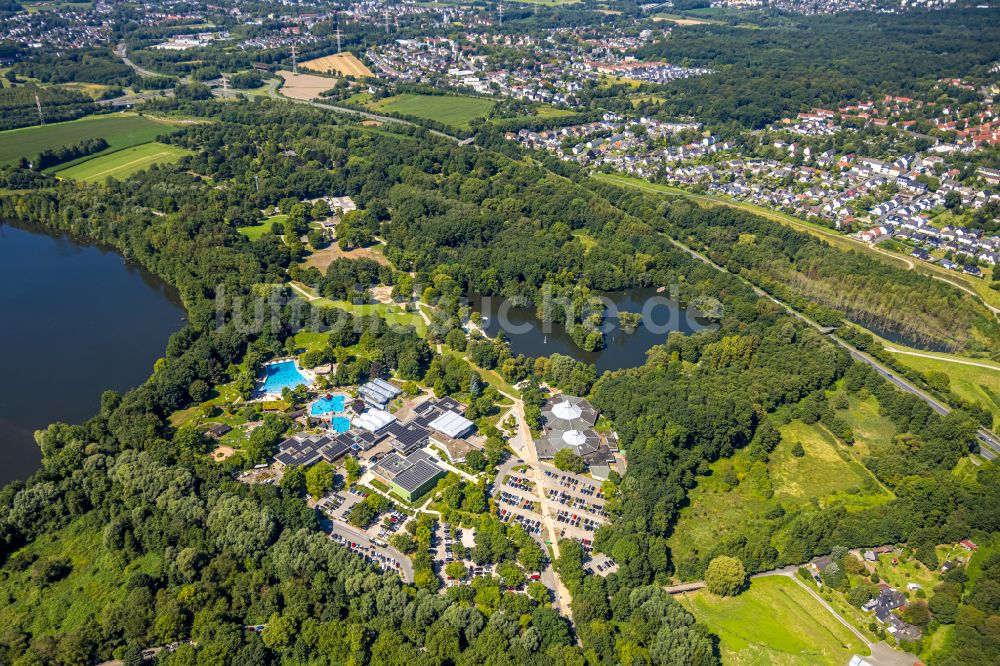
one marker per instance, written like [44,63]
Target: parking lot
[389,559]
[576,504]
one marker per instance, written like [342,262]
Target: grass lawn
[774,622]
[970,382]
[120,131]
[910,571]
[455,110]
[96,581]
[255,231]
[391,313]
[123,163]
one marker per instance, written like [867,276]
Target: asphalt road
[989,444]
[357,536]
[272,92]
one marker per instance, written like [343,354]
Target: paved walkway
[960,361]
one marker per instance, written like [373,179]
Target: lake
[78,319]
[528,336]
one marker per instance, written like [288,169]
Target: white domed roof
[567,410]
[574,438]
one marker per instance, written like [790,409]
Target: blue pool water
[280,375]
[340,423]
[324,405]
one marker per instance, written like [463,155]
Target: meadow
[970,382]
[829,471]
[775,621]
[254,232]
[69,602]
[123,163]
[120,131]
[455,110]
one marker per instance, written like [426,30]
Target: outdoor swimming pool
[327,404]
[280,375]
[340,423]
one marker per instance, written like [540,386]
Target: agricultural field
[304,86]
[123,163]
[775,621]
[455,110]
[120,131]
[345,64]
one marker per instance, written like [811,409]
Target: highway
[989,444]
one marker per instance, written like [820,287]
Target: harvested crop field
[304,86]
[342,63]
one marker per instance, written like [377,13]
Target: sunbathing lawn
[774,622]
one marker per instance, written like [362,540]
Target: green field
[455,110]
[970,382]
[254,232]
[120,131]
[828,471]
[66,605]
[123,163]
[774,622]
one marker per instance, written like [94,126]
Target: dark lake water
[528,336]
[77,319]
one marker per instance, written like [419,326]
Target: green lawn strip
[774,622]
[123,163]
[120,131]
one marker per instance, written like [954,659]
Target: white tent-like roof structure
[567,410]
[574,438]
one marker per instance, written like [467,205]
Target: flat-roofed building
[410,476]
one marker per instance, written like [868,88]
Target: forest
[19,108]
[822,281]
[204,556]
[798,62]
[201,555]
